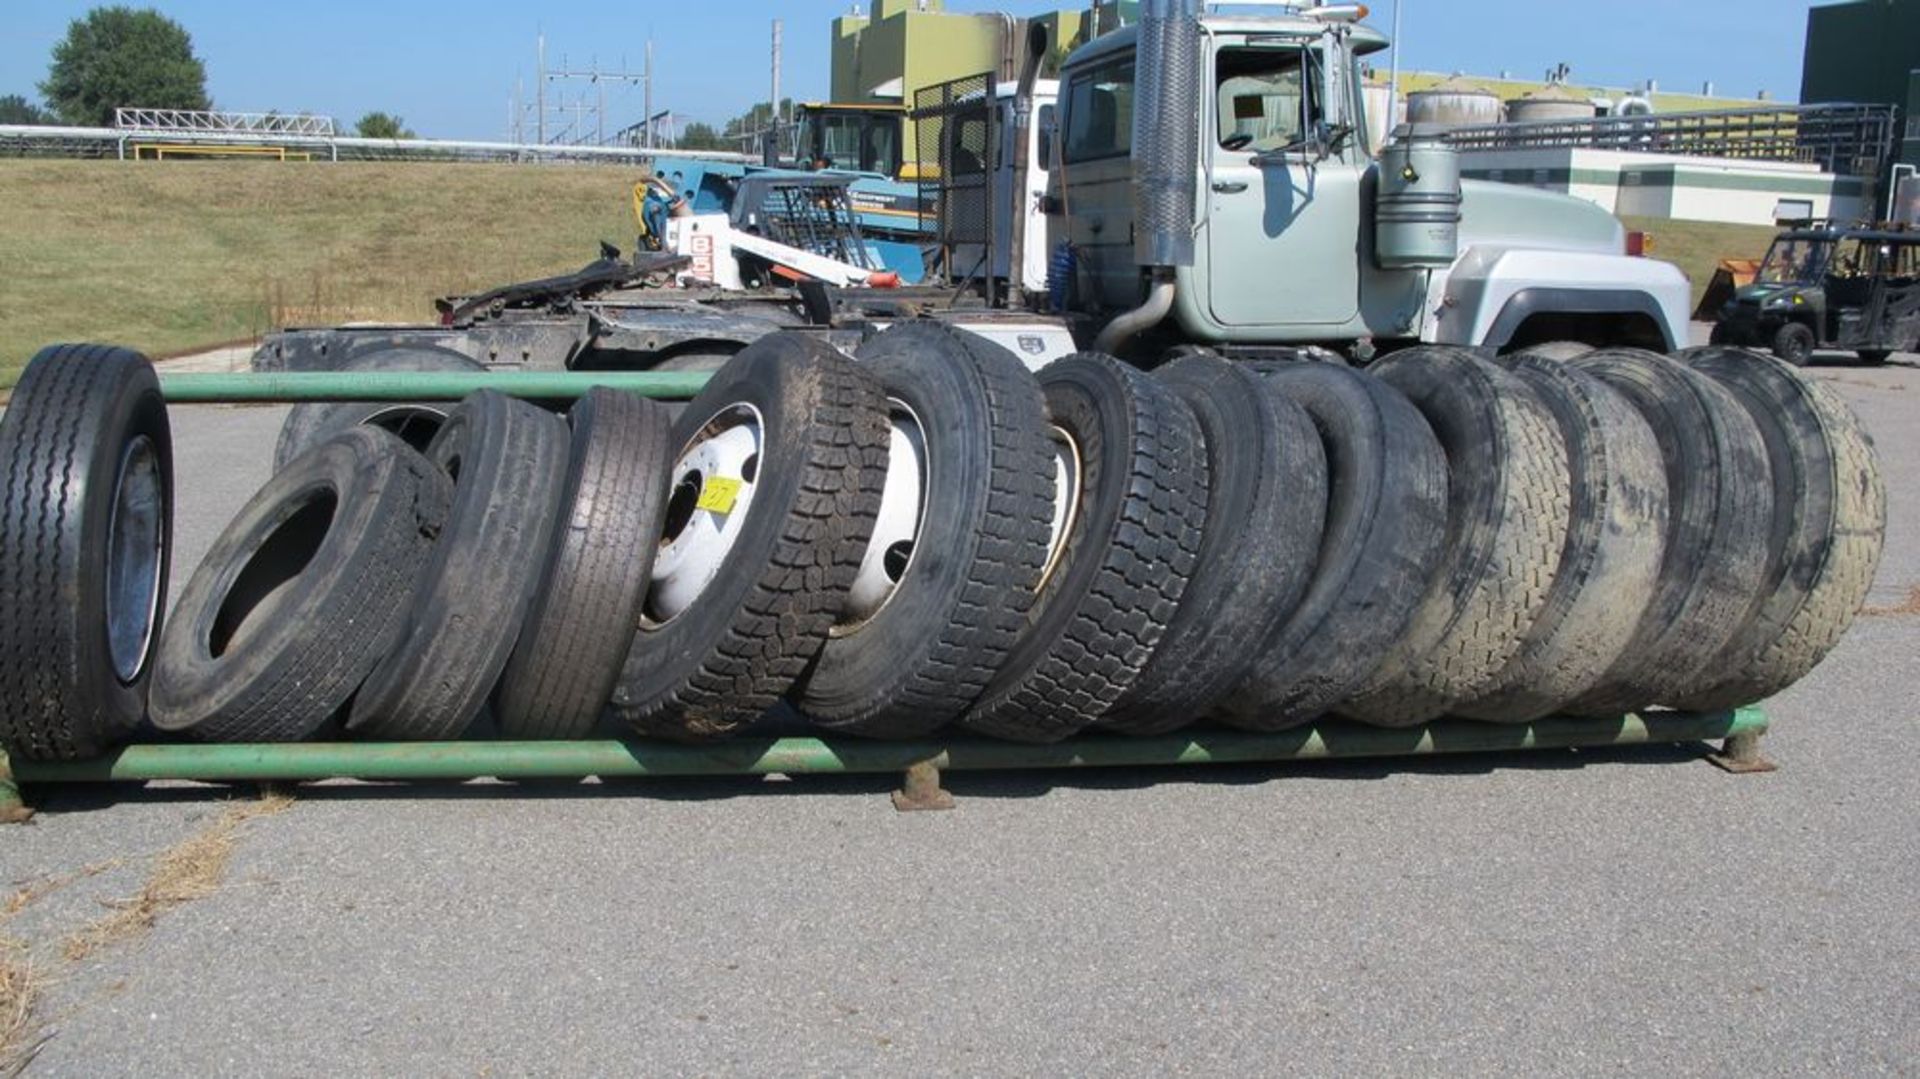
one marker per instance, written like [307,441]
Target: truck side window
[1268,98]
[1100,112]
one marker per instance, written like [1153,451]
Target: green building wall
[1862,52]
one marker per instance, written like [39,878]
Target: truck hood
[1507,215]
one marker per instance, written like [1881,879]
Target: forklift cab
[849,138]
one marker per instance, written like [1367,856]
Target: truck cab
[1288,216]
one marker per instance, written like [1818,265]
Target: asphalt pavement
[1633,912]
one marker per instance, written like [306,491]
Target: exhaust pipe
[1166,132]
[1022,137]
[1166,155]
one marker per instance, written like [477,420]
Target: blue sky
[449,68]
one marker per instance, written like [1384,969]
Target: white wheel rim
[413,424]
[135,552]
[1066,499]
[889,555]
[707,507]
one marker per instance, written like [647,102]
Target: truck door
[1282,229]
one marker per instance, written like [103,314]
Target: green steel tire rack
[919,762]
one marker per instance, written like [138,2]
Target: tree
[15,109]
[699,136]
[116,57]
[380,125]
[757,119]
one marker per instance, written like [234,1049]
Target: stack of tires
[925,536]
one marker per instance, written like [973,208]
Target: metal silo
[1454,103]
[1553,101]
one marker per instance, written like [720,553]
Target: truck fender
[1528,302]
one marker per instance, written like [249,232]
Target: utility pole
[1393,78]
[599,79]
[771,153]
[648,94]
[540,92]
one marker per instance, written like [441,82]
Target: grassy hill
[170,256]
[1697,246]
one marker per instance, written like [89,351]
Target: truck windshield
[1794,262]
[1268,97]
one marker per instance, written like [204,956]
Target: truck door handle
[1229,187]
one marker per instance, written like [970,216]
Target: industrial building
[1868,51]
[1694,156]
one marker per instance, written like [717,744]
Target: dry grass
[171,256]
[1910,605]
[1698,246]
[20,987]
[190,870]
[35,890]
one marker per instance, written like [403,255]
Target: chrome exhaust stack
[1166,156]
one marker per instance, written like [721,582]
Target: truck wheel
[1138,484]
[508,461]
[306,590]
[1794,343]
[86,538]
[1829,524]
[1266,511]
[1719,497]
[1507,512]
[1386,520]
[970,472]
[416,422]
[782,460]
[1611,560]
[580,622]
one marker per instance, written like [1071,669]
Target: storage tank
[1453,103]
[1550,103]
[1416,208]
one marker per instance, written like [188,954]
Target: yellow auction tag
[717,495]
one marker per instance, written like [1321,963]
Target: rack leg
[1740,754]
[922,790]
[13,809]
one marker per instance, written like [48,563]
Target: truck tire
[1508,504]
[586,603]
[783,457]
[1385,522]
[1133,536]
[86,538]
[972,471]
[1611,560]
[1719,497]
[416,422]
[508,463]
[306,590]
[1794,343]
[1829,525]
[1266,512]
